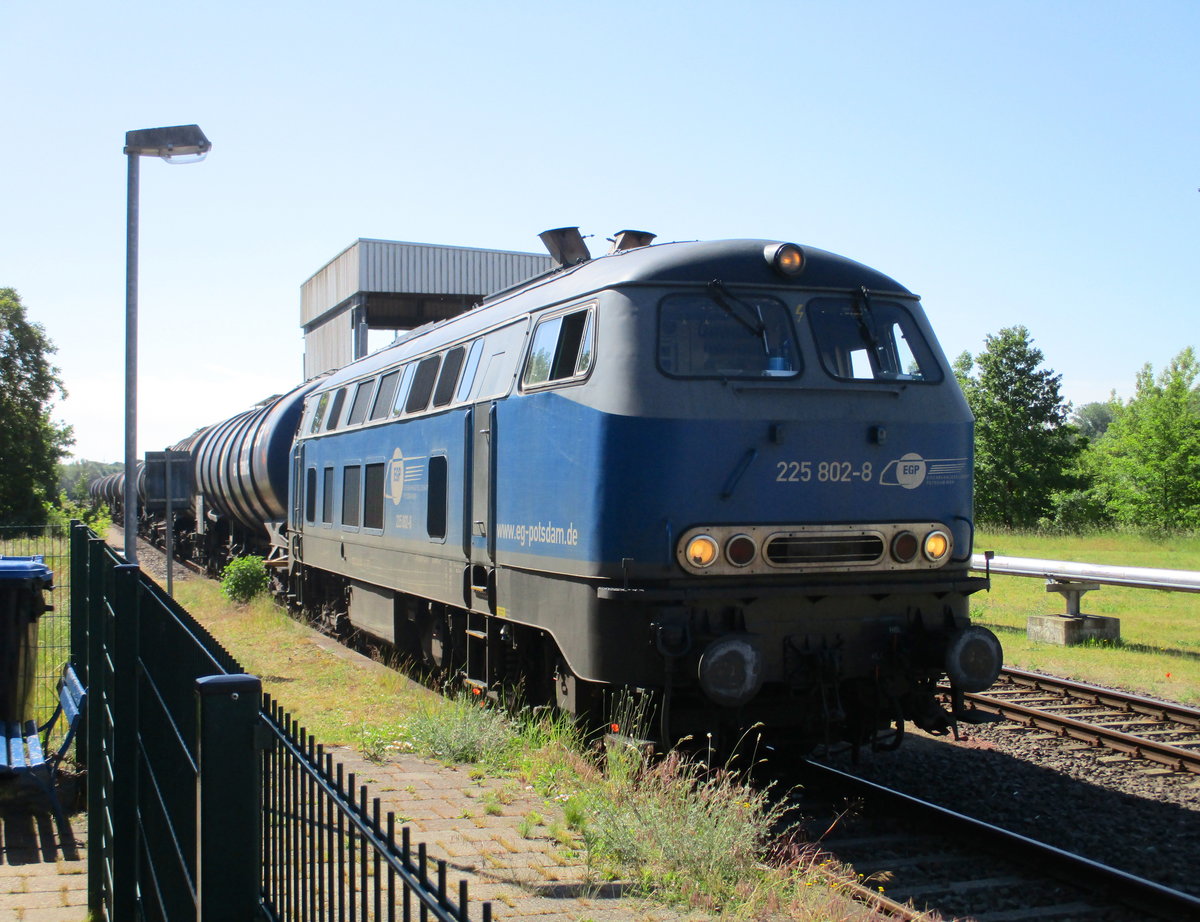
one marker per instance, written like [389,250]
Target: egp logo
[393,487]
[910,471]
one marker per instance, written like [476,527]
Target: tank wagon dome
[241,464]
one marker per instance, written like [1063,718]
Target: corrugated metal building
[389,285]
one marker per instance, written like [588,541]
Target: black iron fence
[325,855]
[205,800]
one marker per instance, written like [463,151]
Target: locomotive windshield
[721,335]
[865,338]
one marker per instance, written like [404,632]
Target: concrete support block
[1068,630]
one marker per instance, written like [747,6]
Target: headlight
[937,545]
[785,258]
[702,551]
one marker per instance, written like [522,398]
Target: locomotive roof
[737,262]
[700,261]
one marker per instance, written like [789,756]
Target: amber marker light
[937,545]
[702,551]
[787,259]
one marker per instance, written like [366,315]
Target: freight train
[732,479]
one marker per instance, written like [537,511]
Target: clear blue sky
[1026,163]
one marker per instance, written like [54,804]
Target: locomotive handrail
[1063,571]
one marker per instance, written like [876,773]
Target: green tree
[1093,419]
[1025,450]
[31,444]
[1148,462]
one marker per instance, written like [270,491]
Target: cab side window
[562,349]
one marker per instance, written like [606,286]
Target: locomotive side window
[310,495]
[723,335]
[562,349]
[373,496]
[327,496]
[387,392]
[351,494]
[362,400]
[422,386]
[468,375]
[402,390]
[435,516]
[335,411]
[868,339]
[503,349]
[449,376]
[319,414]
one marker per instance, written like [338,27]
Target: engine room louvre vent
[801,550]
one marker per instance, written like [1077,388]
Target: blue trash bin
[22,583]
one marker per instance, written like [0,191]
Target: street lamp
[177,144]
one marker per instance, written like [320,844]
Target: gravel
[1122,812]
[152,561]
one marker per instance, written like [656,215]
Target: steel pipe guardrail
[1063,571]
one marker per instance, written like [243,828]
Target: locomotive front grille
[816,550]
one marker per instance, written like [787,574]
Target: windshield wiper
[722,295]
[865,319]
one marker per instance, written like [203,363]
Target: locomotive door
[298,487]
[303,498]
[482,516]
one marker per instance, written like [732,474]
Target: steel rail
[1120,886]
[1067,571]
[1174,757]
[1136,704]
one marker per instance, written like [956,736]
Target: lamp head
[176,144]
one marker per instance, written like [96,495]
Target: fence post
[227,798]
[77,548]
[78,602]
[97,726]
[125,797]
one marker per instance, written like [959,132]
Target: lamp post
[177,144]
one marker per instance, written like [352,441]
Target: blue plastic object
[25,568]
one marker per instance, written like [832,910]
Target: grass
[298,671]
[1159,651]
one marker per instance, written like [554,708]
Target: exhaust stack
[630,240]
[566,246]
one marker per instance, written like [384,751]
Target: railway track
[1161,732]
[915,857]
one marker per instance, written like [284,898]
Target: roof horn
[566,246]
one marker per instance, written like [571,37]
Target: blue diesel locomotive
[732,478]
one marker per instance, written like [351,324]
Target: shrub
[244,578]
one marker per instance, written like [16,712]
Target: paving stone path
[43,869]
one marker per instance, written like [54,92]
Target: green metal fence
[54,628]
[206,801]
